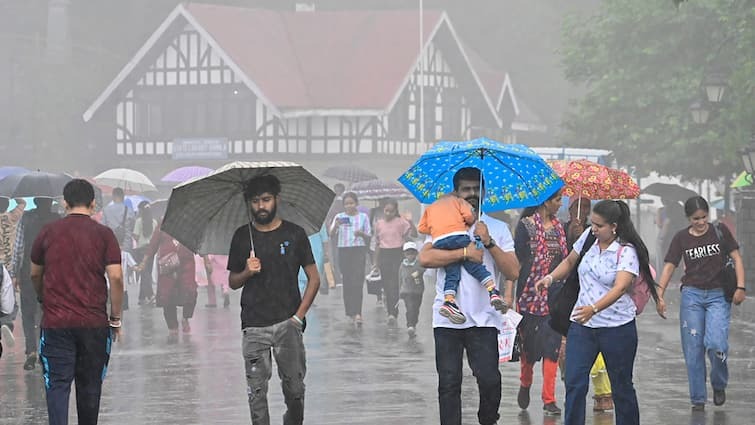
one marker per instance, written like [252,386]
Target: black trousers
[31,313]
[352,268]
[390,261]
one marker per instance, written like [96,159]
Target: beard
[263,216]
[474,200]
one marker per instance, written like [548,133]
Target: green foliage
[642,63]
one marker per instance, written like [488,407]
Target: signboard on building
[200,148]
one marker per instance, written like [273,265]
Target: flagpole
[421,73]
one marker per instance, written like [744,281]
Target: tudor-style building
[341,86]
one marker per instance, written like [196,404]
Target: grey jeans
[285,341]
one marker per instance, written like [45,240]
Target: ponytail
[618,213]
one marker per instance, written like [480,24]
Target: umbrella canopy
[670,191]
[10,170]
[378,189]
[182,174]
[127,179]
[515,176]
[34,184]
[349,173]
[587,179]
[203,213]
[742,180]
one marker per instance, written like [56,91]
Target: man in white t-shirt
[479,334]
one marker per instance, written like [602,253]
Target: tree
[642,63]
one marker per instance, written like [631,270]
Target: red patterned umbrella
[590,180]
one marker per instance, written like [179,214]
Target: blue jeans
[619,347]
[482,353]
[704,322]
[69,354]
[453,270]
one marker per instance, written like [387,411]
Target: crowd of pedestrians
[480,268]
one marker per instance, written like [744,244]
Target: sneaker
[603,403]
[451,311]
[31,361]
[698,407]
[496,300]
[551,409]
[411,331]
[392,321]
[7,336]
[719,397]
[523,398]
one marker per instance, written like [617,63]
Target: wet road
[375,375]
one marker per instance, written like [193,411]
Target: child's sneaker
[7,335]
[451,311]
[497,301]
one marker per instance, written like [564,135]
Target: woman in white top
[603,319]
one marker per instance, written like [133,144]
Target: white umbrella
[127,179]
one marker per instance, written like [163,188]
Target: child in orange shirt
[447,221]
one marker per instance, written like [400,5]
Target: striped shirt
[347,225]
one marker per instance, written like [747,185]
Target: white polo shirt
[472,298]
[597,275]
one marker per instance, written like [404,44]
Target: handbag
[374,282]
[168,263]
[561,300]
[728,274]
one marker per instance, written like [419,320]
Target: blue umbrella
[515,176]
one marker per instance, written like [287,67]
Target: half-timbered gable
[270,83]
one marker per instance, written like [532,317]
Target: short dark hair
[118,193]
[266,183]
[695,203]
[339,186]
[467,173]
[79,193]
[4,204]
[351,195]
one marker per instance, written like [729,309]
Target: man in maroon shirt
[70,258]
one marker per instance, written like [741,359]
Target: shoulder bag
[727,275]
[561,300]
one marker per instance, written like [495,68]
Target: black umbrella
[34,184]
[349,173]
[670,191]
[203,213]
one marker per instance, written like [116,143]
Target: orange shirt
[448,215]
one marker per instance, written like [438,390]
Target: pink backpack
[640,290]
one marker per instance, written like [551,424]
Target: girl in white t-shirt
[603,318]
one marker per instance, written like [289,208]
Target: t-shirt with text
[74,252]
[272,295]
[703,255]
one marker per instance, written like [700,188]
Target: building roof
[499,88]
[312,63]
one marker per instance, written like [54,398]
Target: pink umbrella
[182,174]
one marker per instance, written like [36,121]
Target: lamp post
[714,85]
[748,156]
[746,209]
[699,113]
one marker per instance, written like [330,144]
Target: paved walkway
[375,376]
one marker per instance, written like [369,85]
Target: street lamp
[748,155]
[699,113]
[715,86]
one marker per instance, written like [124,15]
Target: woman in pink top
[391,231]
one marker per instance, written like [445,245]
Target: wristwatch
[490,244]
